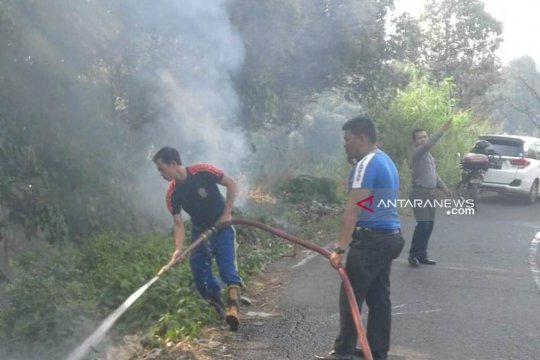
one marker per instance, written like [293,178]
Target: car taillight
[521,163]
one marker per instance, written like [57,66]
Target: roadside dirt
[265,292]
[218,342]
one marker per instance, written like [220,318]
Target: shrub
[47,302]
[306,188]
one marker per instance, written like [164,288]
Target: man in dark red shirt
[194,189]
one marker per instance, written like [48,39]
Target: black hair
[362,125]
[416,131]
[167,155]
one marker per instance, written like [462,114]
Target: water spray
[108,323]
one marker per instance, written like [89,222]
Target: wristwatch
[339,250]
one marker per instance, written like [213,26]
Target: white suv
[514,165]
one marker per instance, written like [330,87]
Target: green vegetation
[60,294]
[305,188]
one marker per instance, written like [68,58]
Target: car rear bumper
[505,188]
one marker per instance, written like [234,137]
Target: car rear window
[505,147]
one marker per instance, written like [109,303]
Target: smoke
[202,119]
[196,104]
[200,107]
[167,67]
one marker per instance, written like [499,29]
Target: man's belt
[423,187]
[376,231]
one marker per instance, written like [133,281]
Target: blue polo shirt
[377,173]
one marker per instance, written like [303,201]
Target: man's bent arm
[350,216]
[424,148]
[230,184]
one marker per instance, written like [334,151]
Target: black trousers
[368,267]
[425,221]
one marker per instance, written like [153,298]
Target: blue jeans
[221,245]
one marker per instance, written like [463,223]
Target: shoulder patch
[360,170]
[196,168]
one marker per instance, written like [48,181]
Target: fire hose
[351,298]
[107,324]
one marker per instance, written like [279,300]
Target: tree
[407,40]
[296,49]
[515,102]
[461,39]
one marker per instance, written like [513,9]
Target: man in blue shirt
[376,241]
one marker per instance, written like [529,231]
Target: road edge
[534,260]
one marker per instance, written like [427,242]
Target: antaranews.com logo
[451,206]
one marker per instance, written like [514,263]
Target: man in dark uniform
[194,189]
[376,241]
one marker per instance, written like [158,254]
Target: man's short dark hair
[416,131]
[167,155]
[362,125]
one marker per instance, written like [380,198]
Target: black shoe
[333,355]
[413,261]
[244,300]
[376,356]
[426,261]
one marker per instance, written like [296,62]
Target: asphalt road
[480,302]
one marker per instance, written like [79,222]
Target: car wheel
[533,193]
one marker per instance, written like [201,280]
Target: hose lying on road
[108,323]
[341,270]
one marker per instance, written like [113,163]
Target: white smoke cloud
[199,106]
